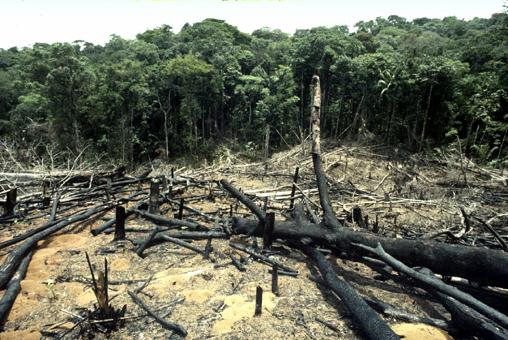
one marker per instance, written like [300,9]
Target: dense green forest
[416,84]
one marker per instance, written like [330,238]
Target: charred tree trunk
[330,219]
[10,202]
[13,289]
[482,265]
[425,117]
[13,260]
[120,224]
[370,323]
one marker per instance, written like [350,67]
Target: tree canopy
[420,83]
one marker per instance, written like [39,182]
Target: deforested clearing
[337,182]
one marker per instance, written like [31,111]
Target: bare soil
[212,299]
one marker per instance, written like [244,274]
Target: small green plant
[50,285]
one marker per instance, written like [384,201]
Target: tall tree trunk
[425,117]
[502,144]
[250,111]
[215,122]
[77,142]
[354,124]
[415,125]
[476,134]
[74,119]
[131,137]
[324,111]
[468,138]
[166,134]
[124,137]
[267,141]
[463,169]
[209,121]
[300,120]
[390,123]
[196,129]
[337,121]
[222,115]
[203,122]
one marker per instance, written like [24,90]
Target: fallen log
[260,214]
[482,265]
[122,181]
[184,244]
[186,235]
[368,320]
[237,263]
[392,311]
[13,289]
[143,245]
[470,321]
[494,232]
[169,221]
[165,324]
[438,285]
[29,233]
[327,324]
[490,296]
[62,174]
[198,212]
[13,260]
[263,258]
[403,315]
[50,223]
[26,235]
[464,320]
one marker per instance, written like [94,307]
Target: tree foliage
[419,83]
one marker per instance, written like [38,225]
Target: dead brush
[104,317]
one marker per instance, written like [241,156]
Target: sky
[24,22]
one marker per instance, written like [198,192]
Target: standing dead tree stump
[268,231]
[153,206]
[120,223]
[259,301]
[10,202]
[180,209]
[275,279]
[46,199]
